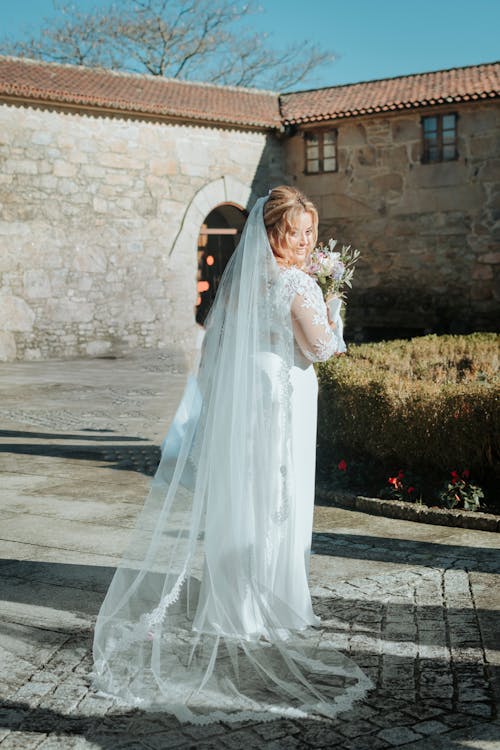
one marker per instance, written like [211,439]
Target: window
[440,138]
[321,151]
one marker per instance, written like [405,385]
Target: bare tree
[203,40]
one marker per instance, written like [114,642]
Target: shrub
[427,405]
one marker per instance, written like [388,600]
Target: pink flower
[342,465]
[466,473]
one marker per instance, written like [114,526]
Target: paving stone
[389,718]
[397,736]
[287,743]
[485,736]
[245,738]
[164,740]
[369,742]
[455,720]
[430,727]
[64,699]
[475,709]
[423,711]
[275,729]
[115,742]
[22,741]
[360,711]
[90,704]
[211,730]
[321,736]
[33,692]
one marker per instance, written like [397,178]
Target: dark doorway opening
[219,235]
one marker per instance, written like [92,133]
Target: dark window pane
[449,122]
[448,136]
[430,123]
[433,153]
[431,138]
[449,153]
[311,138]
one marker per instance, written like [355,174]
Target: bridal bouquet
[332,269]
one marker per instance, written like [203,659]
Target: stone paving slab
[417,606]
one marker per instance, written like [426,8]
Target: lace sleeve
[311,328]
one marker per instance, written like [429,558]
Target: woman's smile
[300,238]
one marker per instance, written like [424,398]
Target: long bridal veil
[197,621]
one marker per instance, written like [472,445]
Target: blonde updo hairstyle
[281,210]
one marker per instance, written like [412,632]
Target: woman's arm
[313,332]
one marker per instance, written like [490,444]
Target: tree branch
[205,40]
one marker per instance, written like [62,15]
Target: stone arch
[225,189]
[182,260]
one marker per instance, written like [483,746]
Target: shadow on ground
[407,551]
[140,458]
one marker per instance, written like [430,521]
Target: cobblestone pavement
[416,606]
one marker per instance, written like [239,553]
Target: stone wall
[99,219]
[99,222]
[428,233]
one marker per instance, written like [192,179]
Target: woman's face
[300,238]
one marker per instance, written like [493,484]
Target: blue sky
[372,38]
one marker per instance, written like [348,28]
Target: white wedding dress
[209,615]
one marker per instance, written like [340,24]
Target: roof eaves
[390,106]
[28,93]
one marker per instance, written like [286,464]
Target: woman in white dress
[209,615]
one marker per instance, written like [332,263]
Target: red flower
[342,465]
[410,490]
[466,473]
[394,481]
[454,477]
[401,474]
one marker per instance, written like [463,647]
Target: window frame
[320,135]
[440,144]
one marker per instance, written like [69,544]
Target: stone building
[122,197]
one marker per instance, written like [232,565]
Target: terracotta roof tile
[226,105]
[144,94]
[389,94]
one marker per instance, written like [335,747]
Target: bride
[209,615]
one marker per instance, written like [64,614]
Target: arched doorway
[219,235]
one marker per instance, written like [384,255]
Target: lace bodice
[313,333]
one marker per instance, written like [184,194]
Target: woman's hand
[333,326]
[333,305]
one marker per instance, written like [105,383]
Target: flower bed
[424,414]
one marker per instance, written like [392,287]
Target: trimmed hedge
[429,405]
